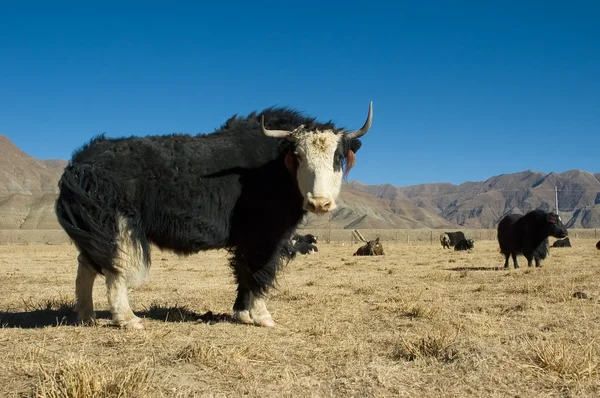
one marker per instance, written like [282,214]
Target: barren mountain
[482,204]
[28,189]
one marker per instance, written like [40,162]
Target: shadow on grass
[476,269]
[52,313]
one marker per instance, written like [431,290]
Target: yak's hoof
[264,321]
[262,317]
[133,324]
[242,316]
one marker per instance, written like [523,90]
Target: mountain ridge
[29,187]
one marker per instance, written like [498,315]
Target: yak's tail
[85,210]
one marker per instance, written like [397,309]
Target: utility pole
[556,198]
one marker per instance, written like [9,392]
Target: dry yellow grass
[418,322]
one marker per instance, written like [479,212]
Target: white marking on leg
[133,271]
[130,257]
[259,313]
[122,315]
[84,285]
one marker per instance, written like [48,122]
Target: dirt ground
[420,321]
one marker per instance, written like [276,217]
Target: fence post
[431,237]
[407,238]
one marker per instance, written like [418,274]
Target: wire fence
[325,235]
[422,236]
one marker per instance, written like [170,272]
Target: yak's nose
[320,204]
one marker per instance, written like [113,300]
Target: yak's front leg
[253,284]
[241,307]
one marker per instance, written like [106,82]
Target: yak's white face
[317,162]
[319,169]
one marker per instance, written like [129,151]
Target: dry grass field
[417,322]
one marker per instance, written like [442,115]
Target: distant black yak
[305,248]
[562,243]
[464,244]
[528,235]
[305,244]
[448,239]
[308,238]
[245,187]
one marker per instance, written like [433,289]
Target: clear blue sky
[461,90]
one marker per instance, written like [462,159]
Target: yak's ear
[290,162]
[350,160]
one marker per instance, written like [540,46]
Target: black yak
[308,238]
[464,244]
[448,239]
[305,244]
[528,235]
[598,245]
[303,247]
[566,242]
[244,187]
[371,248]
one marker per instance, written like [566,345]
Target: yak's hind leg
[84,286]
[515,262]
[132,270]
[506,257]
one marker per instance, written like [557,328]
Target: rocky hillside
[28,189]
[482,204]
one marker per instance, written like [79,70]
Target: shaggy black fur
[528,235]
[464,244]
[228,189]
[598,245]
[566,242]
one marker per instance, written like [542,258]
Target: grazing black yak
[528,235]
[464,244]
[449,239]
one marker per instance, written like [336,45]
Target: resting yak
[244,187]
[528,235]
[598,245]
[308,238]
[566,242]
[305,244]
[371,248]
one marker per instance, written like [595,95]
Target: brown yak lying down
[371,248]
